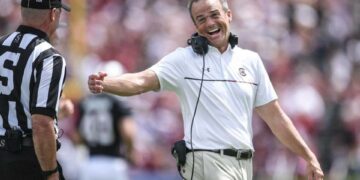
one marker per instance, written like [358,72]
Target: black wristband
[49,172]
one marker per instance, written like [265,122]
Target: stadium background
[311,49]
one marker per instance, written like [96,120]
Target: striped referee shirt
[32,75]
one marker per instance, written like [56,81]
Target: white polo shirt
[234,83]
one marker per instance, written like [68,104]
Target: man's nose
[209,22]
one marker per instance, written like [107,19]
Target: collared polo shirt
[234,83]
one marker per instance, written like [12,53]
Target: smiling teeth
[213,30]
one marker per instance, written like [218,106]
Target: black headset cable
[193,118]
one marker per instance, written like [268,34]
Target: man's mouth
[214,31]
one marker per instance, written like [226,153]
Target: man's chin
[215,44]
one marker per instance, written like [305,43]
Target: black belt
[238,153]
[26,142]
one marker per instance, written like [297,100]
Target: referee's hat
[44,4]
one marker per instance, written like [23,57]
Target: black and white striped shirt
[32,75]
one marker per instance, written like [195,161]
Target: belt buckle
[238,154]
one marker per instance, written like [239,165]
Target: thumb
[102,75]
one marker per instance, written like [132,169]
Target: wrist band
[49,172]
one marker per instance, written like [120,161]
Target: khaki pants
[213,166]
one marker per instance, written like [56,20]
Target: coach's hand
[314,170]
[95,82]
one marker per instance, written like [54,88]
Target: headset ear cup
[199,44]
[233,40]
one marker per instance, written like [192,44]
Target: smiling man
[211,22]
[219,85]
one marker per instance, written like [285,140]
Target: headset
[200,46]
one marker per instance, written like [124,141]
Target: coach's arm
[281,125]
[124,85]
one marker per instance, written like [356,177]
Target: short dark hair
[224,4]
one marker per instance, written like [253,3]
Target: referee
[32,75]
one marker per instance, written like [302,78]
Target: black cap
[44,4]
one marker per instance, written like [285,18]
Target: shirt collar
[214,49]
[28,29]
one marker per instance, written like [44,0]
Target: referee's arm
[44,141]
[47,90]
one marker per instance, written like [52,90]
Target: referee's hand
[95,82]
[54,176]
[314,170]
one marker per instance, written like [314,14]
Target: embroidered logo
[207,69]
[242,71]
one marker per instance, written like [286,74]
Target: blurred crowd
[311,49]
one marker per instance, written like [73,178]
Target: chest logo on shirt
[242,71]
[207,69]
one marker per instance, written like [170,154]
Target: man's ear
[229,14]
[52,14]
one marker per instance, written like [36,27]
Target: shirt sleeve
[49,81]
[265,92]
[169,70]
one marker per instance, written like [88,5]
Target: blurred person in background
[222,127]
[66,108]
[67,156]
[105,125]
[32,75]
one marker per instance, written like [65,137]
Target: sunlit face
[212,22]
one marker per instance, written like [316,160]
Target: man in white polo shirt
[219,86]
